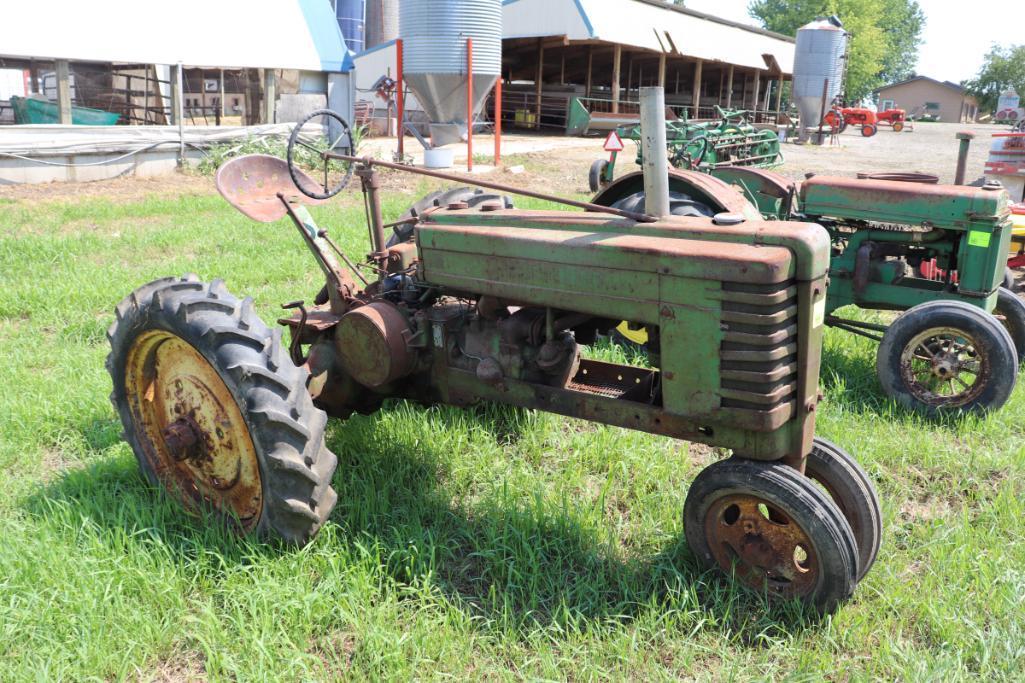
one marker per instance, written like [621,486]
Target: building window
[932,106]
[887,104]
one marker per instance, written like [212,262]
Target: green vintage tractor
[935,252]
[486,303]
[730,140]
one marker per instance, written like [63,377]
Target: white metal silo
[819,57]
[434,34]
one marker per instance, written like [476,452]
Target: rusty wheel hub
[762,544]
[191,428]
[943,366]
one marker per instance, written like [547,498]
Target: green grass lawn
[487,543]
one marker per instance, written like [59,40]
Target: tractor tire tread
[853,485]
[296,466]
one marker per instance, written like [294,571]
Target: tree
[1003,69]
[885,34]
[903,22]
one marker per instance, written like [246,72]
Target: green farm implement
[937,253]
[480,302]
[728,141]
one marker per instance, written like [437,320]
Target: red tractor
[841,117]
[894,118]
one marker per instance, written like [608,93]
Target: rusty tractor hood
[677,236]
[888,201]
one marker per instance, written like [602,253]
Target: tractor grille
[758,354]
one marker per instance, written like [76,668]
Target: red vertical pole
[498,121]
[399,99]
[469,104]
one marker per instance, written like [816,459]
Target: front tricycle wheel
[772,529]
[216,412]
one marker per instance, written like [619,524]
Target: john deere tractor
[936,253]
[486,303]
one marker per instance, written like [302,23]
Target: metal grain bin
[382,22]
[819,55]
[434,34]
[351,14]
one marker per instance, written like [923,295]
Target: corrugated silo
[818,56]
[351,15]
[434,34]
[382,22]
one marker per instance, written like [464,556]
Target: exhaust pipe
[966,138]
[655,164]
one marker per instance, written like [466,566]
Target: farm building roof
[652,25]
[945,84]
[273,34]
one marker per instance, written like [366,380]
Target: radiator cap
[726,218]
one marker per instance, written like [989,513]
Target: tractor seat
[251,184]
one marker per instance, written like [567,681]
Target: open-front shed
[562,58]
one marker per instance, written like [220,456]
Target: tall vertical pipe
[469,104]
[400,102]
[653,151]
[498,121]
[180,115]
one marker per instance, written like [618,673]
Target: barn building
[577,65]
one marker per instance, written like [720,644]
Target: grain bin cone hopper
[819,66]
[434,38]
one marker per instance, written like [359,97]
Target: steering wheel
[320,132]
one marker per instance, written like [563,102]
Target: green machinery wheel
[774,530]
[947,356]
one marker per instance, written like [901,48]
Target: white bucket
[439,157]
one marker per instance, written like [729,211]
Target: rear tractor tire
[596,176]
[947,356]
[216,412]
[473,198]
[1009,281]
[1010,311]
[772,529]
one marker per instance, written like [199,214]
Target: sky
[956,39]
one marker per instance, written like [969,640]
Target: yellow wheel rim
[190,428]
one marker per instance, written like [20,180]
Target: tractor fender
[701,187]
[771,192]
